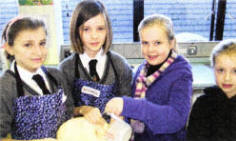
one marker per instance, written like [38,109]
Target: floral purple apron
[88,92]
[37,117]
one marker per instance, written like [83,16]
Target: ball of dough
[80,129]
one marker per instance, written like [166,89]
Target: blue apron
[88,92]
[37,117]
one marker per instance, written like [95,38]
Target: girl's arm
[6,106]
[167,118]
[125,80]
[124,72]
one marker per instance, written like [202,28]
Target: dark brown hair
[84,11]
[16,25]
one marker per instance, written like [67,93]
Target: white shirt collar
[85,56]
[26,76]
[100,57]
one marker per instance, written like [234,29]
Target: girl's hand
[76,111]
[115,106]
[92,114]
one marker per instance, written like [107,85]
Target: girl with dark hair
[94,73]
[34,100]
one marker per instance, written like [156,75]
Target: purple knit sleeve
[163,119]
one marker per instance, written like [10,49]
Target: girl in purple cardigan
[162,86]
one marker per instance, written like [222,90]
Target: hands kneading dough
[80,129]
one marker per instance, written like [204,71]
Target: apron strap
[50,76]
[19,83]
[76,75]
[76,66]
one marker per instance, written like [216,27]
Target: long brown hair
[15,26]
[84,11]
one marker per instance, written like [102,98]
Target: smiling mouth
[95,43]
[227,85]
[37,60]
[152,57]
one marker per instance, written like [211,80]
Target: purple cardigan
[166,107]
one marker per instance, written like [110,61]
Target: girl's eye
[156,43]
[235,71]
[27,45]
[144,43]
[43,43]
[220,70]
[101,28]
[85,29]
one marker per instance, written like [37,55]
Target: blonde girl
[213,114]
[162,86]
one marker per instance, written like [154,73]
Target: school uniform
[164,110]
[115,78]
[25,112]
[213,117]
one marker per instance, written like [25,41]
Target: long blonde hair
[227,47]
[160,20]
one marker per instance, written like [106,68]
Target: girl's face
[154,44]
[93,34]
[29,49]
[225,73]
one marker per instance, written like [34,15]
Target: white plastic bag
[120,130]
